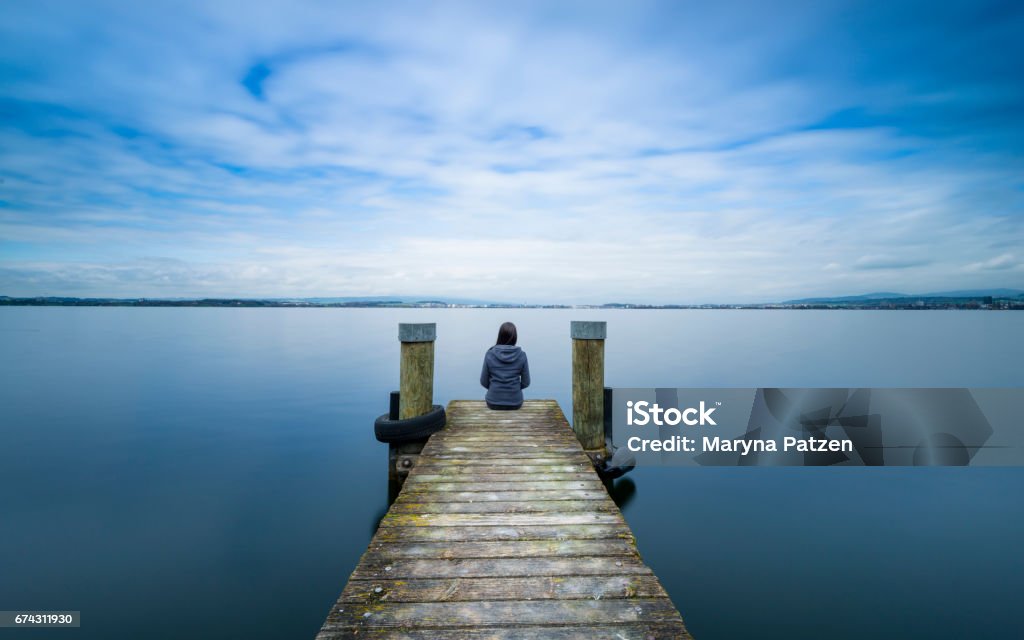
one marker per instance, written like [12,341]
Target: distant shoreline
[883,304]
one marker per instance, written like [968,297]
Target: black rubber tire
[411,430]
[611,473]
[608,471]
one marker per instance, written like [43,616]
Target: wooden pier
[503,530]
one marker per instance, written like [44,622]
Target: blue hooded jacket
[505,374]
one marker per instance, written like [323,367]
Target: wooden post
[416,386]
[416,396]
[588,384]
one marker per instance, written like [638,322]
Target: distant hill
[393,299]
[879,295]
[886,295]
[977,293]
[352,301]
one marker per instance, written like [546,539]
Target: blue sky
[548,152]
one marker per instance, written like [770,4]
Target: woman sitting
[506,371]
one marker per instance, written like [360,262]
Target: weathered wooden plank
[465,430]
[578,461]
[518,418]
[616,631]
[508,464]
[500,612]
[375,566]
[426,467]
[500,450]
[468,428]
[510,519]
[498,445]
[483,410]
[506,440]
[487,431]
[505,549]
[516,506]
[442,485]
[536,422]
[476,405]
[503,532]
[469,589]
[566,494]
[532,451]
[524,419]
[485,479]
[486,412]
[540,441]
[525,415]
[496,440]
[477,446]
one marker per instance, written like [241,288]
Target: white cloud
[449,150]
[1006,261]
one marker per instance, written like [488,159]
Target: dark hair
[507,334]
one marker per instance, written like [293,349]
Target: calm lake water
[179,472]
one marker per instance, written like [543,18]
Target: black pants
[503,407]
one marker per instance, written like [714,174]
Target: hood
[506,353]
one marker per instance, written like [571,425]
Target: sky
[557,152]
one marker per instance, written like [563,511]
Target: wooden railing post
[416,387]
[588,384]
[416,396]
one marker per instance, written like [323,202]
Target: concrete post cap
[580,330]
[418,332]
